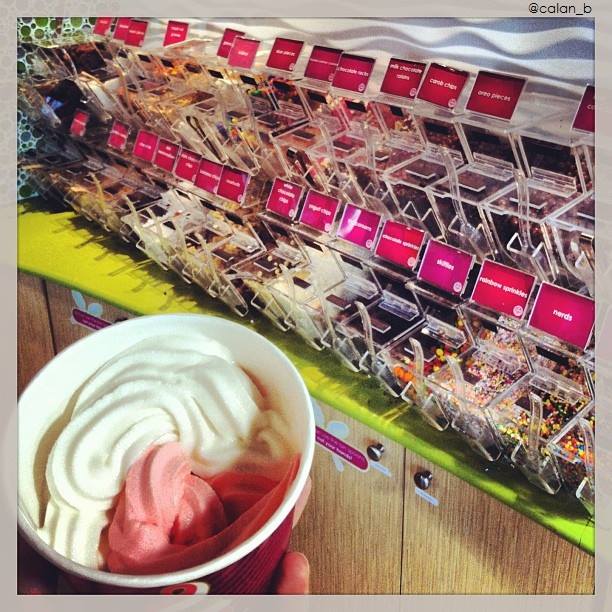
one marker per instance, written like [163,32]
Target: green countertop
[67,249]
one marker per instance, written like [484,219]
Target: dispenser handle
[589,446]
[535,426]
[367,328]
[457,374]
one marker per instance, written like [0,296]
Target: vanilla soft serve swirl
[163,389]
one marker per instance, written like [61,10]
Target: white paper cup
[249,567]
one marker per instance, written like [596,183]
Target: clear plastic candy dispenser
[574,454]
[459,208]
[541,408]
[573,229]
[157,228]
[321,107]
[497,360]
[209,249]
[442,334]
[519,218]
[551,145]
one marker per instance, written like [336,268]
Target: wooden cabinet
[365,531]
[471,543]
[351,529]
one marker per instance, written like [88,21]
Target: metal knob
[375,451]
[423,479]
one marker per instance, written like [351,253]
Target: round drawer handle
[423,479]
[375,451]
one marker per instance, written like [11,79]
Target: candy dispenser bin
[394,104]
[472,381]
[208,250]
[519,218]
[407,183]
[441,94]
[573,452]
[457,200]
[549,145]
[280,261]
[573,229]
[321,107]
[558,388]
[293,148]
[157,229]
[379,325]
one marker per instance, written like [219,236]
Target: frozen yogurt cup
[247,568]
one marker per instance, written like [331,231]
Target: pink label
[233,184]
[319,211]
[400,244]
[136,33]
[359,226]
[225,46]
[503,289]
[445,267]
[353,72]
[563,314]
[285,53]
[495,94]
[585,116]
[284,198]
[187,165]
[209,175]
[145,145]
[243,52]
[88,320]
[176,32]
[166,153]
[339,447]
[117,139]
[102,25]
[402,78]
[322,63]
[122,27]
[442,85]
[79,123]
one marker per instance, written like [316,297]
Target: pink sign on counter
[145,145]
[187,165]
[400,244]
[233,184]
[402,78]
[284,198]
[79,123]
[563,314]
[227,40]
[176,32]
[136,33]
[503,289]
[322,63]
[209,175]
[495,94]
[166,153]
[285,53]
[359,226]
[319,211]
[339,447]
[585,115]
[442,85]
[102,25]
[353,72]
[445,267]
[243,52]
[117,138]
